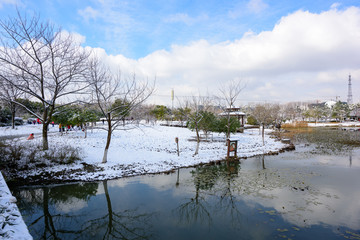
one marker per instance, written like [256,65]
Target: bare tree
[115,96]
[230,94]
[43,62]
[198,106]
[266,114]
[8,95]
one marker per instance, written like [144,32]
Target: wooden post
[231,147]
[177,143]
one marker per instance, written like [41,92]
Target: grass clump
[20,156]
[330,140]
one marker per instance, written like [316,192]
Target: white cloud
[76,37]
[185,18]
[294,61]
[89,13]
[335,5]
[256,6]
[11,2]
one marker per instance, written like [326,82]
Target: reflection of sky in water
[298,195]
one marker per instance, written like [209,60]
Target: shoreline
[38,180]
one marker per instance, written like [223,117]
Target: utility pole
[349,98]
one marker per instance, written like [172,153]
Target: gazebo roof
[235,113]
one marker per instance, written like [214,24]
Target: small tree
[265,114]
[251,120]
[208,122]
[340,111]
[230,92]
[223,123]
[182,114]
[198,105]
[107,88]
[160,112]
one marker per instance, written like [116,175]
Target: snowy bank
[11,222]
[146,149]
[335,124]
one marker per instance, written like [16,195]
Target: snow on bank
[12,225]
[335,124]
[148,149]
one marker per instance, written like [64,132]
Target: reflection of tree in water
[204,178]
[268,183]
[195,209]
[227,204]
[350,158]
[127,224]
[227,186]
[51,224]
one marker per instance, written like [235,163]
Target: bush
[222,122]
[251,120]
[16,156]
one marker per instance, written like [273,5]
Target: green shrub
[251,120]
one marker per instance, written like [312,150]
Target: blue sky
[137,28]
[283,50]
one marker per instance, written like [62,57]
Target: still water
[301,194]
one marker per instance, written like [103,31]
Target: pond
[303,194]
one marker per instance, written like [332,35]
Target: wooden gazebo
[234,112]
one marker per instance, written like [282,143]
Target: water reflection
[40,203]
[55,213]
[257,198]
[195,209]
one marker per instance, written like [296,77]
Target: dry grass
[298,124]
[293,129]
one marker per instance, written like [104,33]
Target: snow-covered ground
[12,225]
[147,149]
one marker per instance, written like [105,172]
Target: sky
[279,50]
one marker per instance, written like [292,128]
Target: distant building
[355,114]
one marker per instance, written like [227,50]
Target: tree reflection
[195,210]
[350,158]
[46,219]
[205,178]
[49,224]
[126,224]
[227,203]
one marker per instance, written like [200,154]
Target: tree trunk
[197,142]
[45,136]
[108,140]
[110,211]
[13,112]
[85,131]
[228,127]
[263,133]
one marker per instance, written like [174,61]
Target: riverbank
[140,150]
[12,225]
